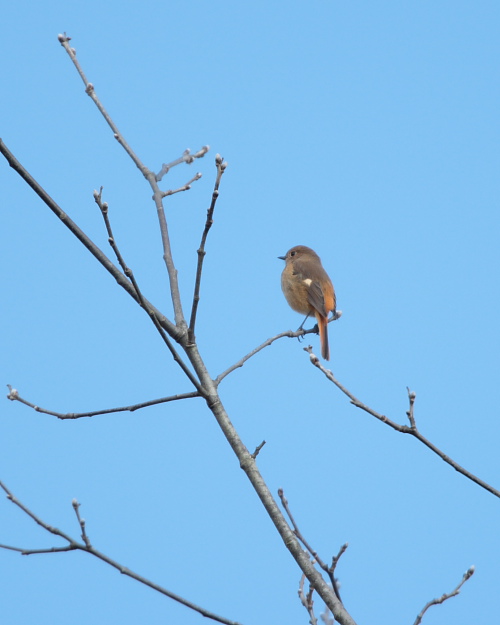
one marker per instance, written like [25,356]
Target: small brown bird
[308,289]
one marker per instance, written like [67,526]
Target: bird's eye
[292,253]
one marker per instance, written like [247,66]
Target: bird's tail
[323,336]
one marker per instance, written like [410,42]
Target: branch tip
[13,393]
[257,449]
[314,359]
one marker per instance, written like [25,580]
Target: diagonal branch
[221,167]
[405,429]
[14,396]
[89,90]
[298,334]
[242,361]
[467,575]
[150,177]
[174,332]
[88,548]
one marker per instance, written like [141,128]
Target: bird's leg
[301,327]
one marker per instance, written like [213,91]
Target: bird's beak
[282,257]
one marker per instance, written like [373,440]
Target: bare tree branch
[14,396]
[87,548]
[328,569]
[221,168]
[336,558]
[298,334]
[81,522]
[307,600]
[29,552]
[405,429]
[467,575]
[89,90]
[104,208]
[270,341]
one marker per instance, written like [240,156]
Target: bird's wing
[316,298]
[315,295]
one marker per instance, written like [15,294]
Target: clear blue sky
[368,131]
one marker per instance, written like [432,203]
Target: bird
[309,290]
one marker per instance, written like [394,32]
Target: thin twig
[186,157]
[242,361]
[289,334]
[180,322]
[296,531]
[28,552]
[328,569]
[81,522]
[38,520]
[14,396]
[185,187]
[221,168]
[87,548]
[257,449]
[405,429]
[410,413]
[467,575]
[336,558]
[307,600]
[104,208]
[89,90]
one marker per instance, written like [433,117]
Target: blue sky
[369,132]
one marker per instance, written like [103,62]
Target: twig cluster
[86,546]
